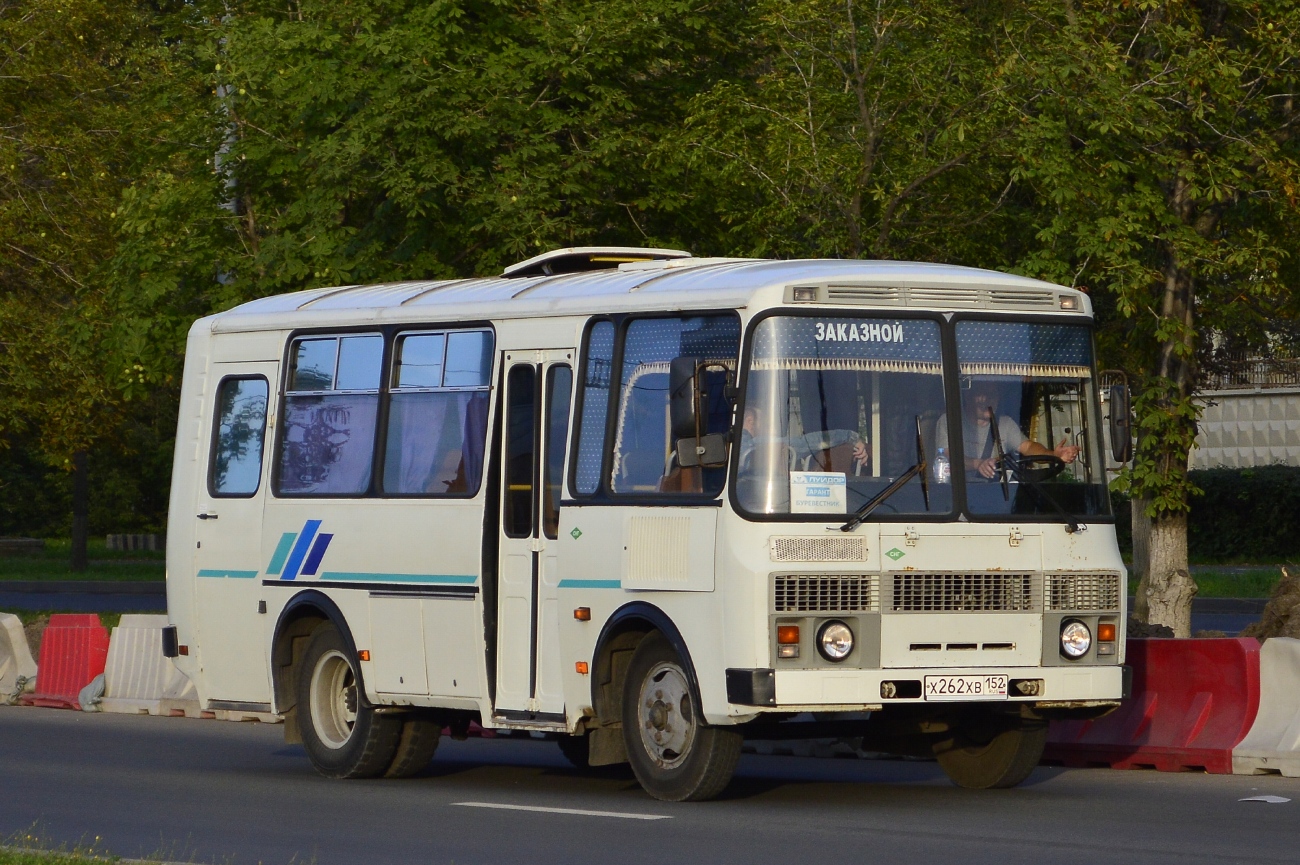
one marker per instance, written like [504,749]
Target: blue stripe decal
[317,553]
[233,575]
[591,584]
[300,549]
[360,577]
[281,553]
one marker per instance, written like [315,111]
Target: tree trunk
[80,510]
[1141,556]
[1169,585]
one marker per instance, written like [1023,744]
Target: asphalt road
[211,791]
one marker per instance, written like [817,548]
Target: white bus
[649,505]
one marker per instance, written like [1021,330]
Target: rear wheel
[675,756]
[984,755]
[343,737]
[415,747]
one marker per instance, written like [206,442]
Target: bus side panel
[188,461]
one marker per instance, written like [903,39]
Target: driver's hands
[860,453]
[1067,452]
[988,468]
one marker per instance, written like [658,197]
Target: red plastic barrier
[73,652]
[1193,701]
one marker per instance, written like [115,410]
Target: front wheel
[983,756]
[343,737]
[674,755]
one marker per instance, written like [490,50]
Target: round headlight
[835,641]
[1076,639]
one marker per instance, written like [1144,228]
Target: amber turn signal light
[1106,633]
[363,655]
[582,614]
[581,667]
[786,634]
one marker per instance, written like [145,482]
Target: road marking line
[578,811]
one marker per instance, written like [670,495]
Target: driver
[980,453]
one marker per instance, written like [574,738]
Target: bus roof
[667,284]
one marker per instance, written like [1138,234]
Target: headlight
[1076,639]
[835,641]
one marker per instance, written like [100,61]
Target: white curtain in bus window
[329,418]
[644,450]
[241,426]
[831,407]
[437,419]
[597,365]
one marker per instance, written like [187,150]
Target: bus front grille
[826,593]
[963,593]
[1083,591]
[851,548]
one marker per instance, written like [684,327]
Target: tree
[68,70]
[1160,163]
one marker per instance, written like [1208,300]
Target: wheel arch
[304,612]
[622,632]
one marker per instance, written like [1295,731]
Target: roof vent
[579,259]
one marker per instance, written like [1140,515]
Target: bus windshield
[831,413]
[1043,455]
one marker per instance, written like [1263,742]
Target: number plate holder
[958,689]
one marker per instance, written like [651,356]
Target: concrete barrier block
[137,675]
[1273,744]
[233,715]
[181,699]
[16,660]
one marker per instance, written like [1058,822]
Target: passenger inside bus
[830,450]
[979,406]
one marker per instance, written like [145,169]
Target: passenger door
[538,390]
[227,558]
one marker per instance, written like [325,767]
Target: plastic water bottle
[942,468]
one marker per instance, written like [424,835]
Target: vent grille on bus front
[953,593]
[805,549]
[965,298]
[825,593]
[1083,591]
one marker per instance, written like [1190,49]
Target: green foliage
[1246,515]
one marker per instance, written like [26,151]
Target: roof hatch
[578,259]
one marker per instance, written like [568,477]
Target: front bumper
[849,690]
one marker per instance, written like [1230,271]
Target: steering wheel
[1034,468]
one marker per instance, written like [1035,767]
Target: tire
[577,750]
[985,757]
[415,747]
[343,737]
[674,755]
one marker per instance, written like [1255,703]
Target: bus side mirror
[683,396]
[1121,430]
[709,451]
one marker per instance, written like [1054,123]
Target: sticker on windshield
[863,331]
[818,493]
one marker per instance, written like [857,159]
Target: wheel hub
[333,699]
[667,720]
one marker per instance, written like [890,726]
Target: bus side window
[597,369]
[236,468]
[644,458]
[559,388]
[330,408]
[437,418]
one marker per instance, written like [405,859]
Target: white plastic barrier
[138,678]
[1273,743]
[15,657]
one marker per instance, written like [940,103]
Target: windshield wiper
[901,481]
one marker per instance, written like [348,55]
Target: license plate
[941,689]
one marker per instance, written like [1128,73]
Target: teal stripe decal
[591,584]
[281,553]
[234,575]
[398,578]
